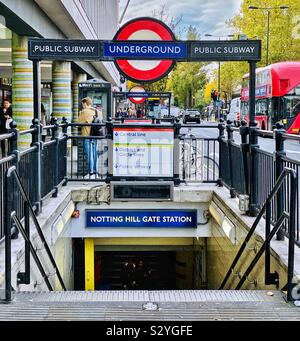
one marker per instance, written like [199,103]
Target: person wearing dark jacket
[5,114]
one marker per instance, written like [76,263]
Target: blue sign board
[110,50]
[261,91]
[59,49]
[141,218]
[145,50]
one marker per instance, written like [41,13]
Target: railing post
[244,132]
[8,208]
[110,145]
[38,164]
[292,288]
[66,151]
[65,125]
[253,185]
[13,141]
[279,166]
[54,136]
[24,277]
[13,150]
[271,278]
[54,130]
[230,139]
[221,138]
[176,156]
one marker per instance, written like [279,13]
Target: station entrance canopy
[181,51]
[151,41]
[142,94]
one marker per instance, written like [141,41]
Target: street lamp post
[268,11]
[219,68]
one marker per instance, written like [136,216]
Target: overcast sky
[208,16]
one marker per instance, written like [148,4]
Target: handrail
[8,158]
[6,136]
[12,171]
[291,136]
[27,131]
[290,215]
[32,249]
[265,133]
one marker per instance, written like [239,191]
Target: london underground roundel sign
[145,29]
[137,100]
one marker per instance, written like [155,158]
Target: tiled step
[168,305]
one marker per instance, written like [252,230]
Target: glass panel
[291,106]
[261,107]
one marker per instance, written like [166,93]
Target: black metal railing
[5,163]
[50,175]
[78,163]
[199,159]
[266,179]
[247,169]
[295,165]
[14,183]
[288,216]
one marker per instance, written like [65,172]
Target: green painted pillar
[61,88]
[77,78]
[22,87]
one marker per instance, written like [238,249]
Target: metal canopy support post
[252,84]
[9,195]
[279,166]
[37,116]
[253,142]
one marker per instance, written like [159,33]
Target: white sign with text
[143,152]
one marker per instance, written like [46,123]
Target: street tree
[284,44]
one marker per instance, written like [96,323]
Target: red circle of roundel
[163,68]
[137,100]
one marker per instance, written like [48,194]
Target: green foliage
[188,79]
[284,45]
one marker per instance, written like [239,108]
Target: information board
[143,152]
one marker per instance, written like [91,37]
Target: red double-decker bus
[277,96]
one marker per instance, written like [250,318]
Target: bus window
[261,107]
[291,106]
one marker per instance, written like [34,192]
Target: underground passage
[141,268]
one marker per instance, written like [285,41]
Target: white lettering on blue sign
[226,50]
[145,50]
[67,49]
[147,218]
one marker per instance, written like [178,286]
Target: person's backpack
[97,130]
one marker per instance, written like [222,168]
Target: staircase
[188,305]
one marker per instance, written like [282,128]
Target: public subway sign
[141,218]
[225,50]
[144,50]
[53,49]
